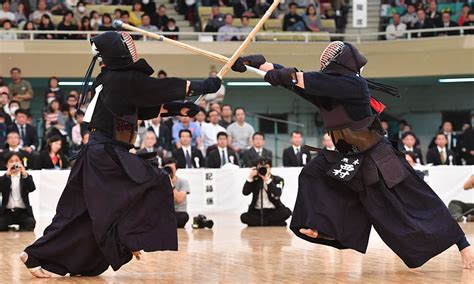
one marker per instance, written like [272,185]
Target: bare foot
[310,233]
[35,271]
[467,255]
[137,254]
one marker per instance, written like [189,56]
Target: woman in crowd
[28,26]
[95,20]
[21,14]
[106,23]
[85,26]
[53,87]
[46,25]
[13,107]
[136,14]
[54,116]
[67,25]
[311,19]
[51,157]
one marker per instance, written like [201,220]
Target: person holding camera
[180,191]
[15,186]
[266,208]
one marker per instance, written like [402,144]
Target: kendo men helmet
[116,49]
[342,57]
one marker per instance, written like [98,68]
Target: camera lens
[262,170]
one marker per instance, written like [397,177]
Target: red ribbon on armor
[376,105]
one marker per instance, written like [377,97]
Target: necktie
[442,155]
[259,153]
[189,163]
[22,132]
[223,159]
[298,157]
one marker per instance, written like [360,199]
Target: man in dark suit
[15,186]
[222,154]
[408,145]
[423,22]
[187,157]
[252,155]
[453,139]
[447,23]
[149,142]
[162,133]
[28,134]
[440,155]
[266,208]
[296,155]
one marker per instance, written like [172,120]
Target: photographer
[266,208]
[180,191]
[15,186]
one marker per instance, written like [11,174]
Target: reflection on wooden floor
[232,253]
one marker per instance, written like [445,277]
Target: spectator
[408,145]
[106,23]
[162,134]
[396,29]
[15,186]
[79,128]
[117,14]
[209,130]
[240,132]
[79,13]
[311,19]
[125,17]
[216,20]
[440,155]
[292,21]
[46,25]
[226,116]
[85,26]
[67,25]
[149,8]
[53,87]
[187,156]
[171,27]
[13,145]
[410,18]
[162,74]
[96,21]
[4,109]
[245,28]
[21,13]
[28,133]
[28,26]
[186,123]
[258,151]
[51,157]
[71,101]
[423,23]
[266,208]
[469,22]
[180,192]
[13,106]
[464,14]
[7,33]
[447,23]
[162,19]
[41,10]
[222,154]
[148,146]
[200,118]
[453,139]
[217,107]
[136,14]
[327,143]
[296,155]
[433,13]
[20,89]
[227,32]
[54,117]
[145,24]
[5,13]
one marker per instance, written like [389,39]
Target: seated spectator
[209,130]
[28,26]
[15,186]
[54,117]
[5,13]
[187,157]
[216,20]
[7,33]
[440,155]
[20,89]
[4,109]
[106,23]
[221,154]
[180,192]
[311,19]
[409,145]
[258,151]
[464,14]
[53,86]
[292,21]
[96,21]
[28,133]
[227,32]
[171,27]
[117,14]
[266,190]
[13,106]
[327,143]
[136,14]
[21,13]
[396,29]
[216,106]
[79,128]
[240,132]
[46,25]
[447,23]
[13,145]
[469,22]
[79,13]
[125,17]
[432,13]
[244,28]
[186,123]
[261,6]
[226,116]
[145,25]
[200,117]
[85,26]
[162,19]
[51,157]
[148,146]
[296,155]
[162,134]
[423,22]
[410,18]
[453,139]
[149,8]
[67,25]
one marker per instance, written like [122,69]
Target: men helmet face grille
[127,39]
[331,51]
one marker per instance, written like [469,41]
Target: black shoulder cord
[85,83]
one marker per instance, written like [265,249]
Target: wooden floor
[232,253]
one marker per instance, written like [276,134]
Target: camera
[261,169]
[15,167]
[201,222]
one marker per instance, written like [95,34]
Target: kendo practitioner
[115,203]
[367,181]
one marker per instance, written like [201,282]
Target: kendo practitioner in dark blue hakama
[115,203]
[367,181]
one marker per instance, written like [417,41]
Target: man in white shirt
[222,154]
[5,13]
[408,145]
[209,130]
[15,186]
[396,29]
[240,132]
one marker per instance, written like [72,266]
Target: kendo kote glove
[201,87]
[285,77]
[185,108]
[252,60]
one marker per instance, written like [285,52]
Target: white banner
[359,13]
